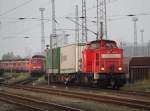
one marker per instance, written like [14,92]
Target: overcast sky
[13,30]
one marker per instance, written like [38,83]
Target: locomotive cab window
[111,45]
[95,46]
[34,61]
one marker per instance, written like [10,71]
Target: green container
[53,60]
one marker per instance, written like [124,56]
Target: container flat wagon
[64,63]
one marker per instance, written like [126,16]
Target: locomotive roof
[106,41]
[38,56]
[140,61]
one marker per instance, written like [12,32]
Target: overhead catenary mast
[42,30]
[135,48]
[142,42]
[53,38]
[84,22]
[101,19]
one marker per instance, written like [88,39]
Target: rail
[134,103]
[33,104]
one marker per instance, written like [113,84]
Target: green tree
[10,56]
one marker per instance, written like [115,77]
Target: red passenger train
[35,65]
[18,65]
[104,60]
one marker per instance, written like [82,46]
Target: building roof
[140,61]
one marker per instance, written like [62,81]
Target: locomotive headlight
[120,68]
[102,68]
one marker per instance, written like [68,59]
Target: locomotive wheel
[114,85]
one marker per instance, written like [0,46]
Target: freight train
[99,63]
[35,66]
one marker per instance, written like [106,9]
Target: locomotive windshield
[104,43]
[37,61]
[95,46]
[111,45]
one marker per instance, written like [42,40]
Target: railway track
[124,101]
[125,92]
[4,79]
[33,104]
[96,90]
[135,93]
[25,81]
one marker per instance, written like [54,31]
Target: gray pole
[142,42]
[105,14]
[0,25]
[47,70]
[98,29]
[53,25]
[77,25]
[77,36]
[148,49]
[84,22]
[42,30]
[135,19]
[64,39]
[53,38]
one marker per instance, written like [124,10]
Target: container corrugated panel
[71,58]
[53,60]
[56,58]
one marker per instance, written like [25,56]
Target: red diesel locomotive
[104,60]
